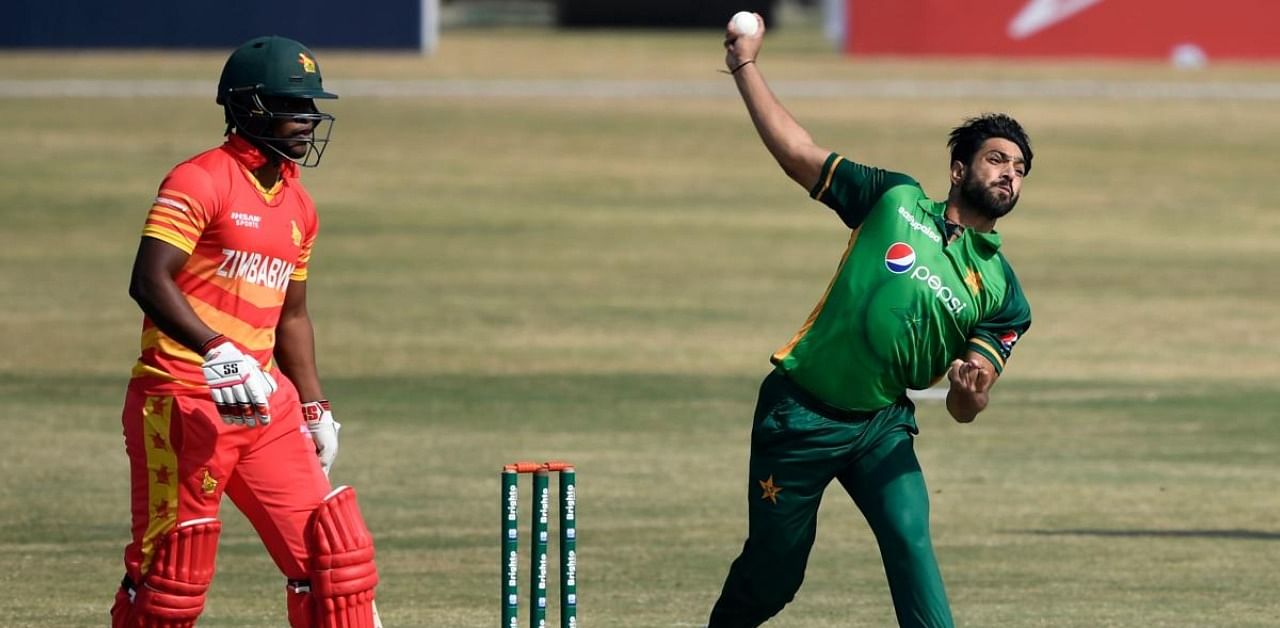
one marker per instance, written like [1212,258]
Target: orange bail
[526,466]
[523,466]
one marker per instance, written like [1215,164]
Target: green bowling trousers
[798,445]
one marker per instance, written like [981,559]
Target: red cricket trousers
[182,457]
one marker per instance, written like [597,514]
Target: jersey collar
[249,156]
[987,242]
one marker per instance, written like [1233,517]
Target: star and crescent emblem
[771,490]
[973,279]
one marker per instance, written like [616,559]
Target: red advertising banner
[1212,29]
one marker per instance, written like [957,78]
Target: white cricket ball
[745,23]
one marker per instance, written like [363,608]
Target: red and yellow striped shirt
[246,244]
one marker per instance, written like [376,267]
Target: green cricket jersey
[903,303]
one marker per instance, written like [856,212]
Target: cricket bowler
[922,291]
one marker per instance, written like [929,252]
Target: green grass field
[602,279]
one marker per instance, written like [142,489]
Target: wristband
[313,410]
[210,343]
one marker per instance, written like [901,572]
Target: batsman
[921,292]
[225,396]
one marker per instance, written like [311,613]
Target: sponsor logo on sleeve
[1008,339]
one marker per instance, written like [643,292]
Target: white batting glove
[324,431]
[238,385]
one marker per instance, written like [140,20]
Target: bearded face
[992,183]
[993,199]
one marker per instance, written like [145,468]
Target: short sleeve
[305,235]
[852,189]
[182,207]
[995,336]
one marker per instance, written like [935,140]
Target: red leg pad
[343,575]
[122,608]
[172,593]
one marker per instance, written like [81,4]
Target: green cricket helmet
[275,78]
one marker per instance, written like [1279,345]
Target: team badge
[771,490]
[1008,339]
[208,484]
[297,233]
[308,64]
[899,258]
[973,279]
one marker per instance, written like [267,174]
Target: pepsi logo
[1008,339]
[899,258]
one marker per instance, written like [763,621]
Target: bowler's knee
[908,535]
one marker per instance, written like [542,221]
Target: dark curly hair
[967,138]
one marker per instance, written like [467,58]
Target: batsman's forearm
[166,307]
[295,353]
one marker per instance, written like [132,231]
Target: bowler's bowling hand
[742,48]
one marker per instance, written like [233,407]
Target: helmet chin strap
[241,115]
